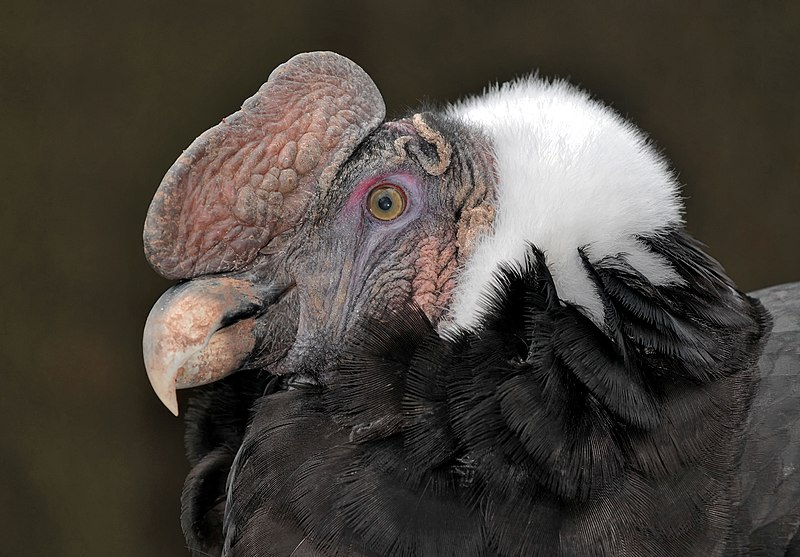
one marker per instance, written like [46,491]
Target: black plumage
[539,433]
[520,353]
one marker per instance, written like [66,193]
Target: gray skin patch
[473,193]
[346,264]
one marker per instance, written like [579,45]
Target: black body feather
[540,434]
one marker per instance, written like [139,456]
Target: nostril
[241,313]
[256,305]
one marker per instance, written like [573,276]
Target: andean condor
[475,331]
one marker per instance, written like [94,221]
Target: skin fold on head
[300,214]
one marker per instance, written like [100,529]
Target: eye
[386,202]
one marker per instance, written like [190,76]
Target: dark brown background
[97,100]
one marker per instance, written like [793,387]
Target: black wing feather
[541,434]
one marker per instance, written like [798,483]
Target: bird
[479,329]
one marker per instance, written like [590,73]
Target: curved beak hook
[200,331]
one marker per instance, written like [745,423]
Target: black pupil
[385,203]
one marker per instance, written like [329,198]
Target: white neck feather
[571,173]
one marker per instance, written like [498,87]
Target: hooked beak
[202,330]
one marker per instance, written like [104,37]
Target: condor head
[301,214]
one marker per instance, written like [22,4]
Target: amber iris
[386,202]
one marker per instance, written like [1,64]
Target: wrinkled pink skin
[267,216]
[249,179]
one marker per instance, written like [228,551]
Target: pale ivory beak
[200,331]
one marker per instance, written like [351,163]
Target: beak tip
[164,387]
[170,400]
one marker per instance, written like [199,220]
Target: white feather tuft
[571,173]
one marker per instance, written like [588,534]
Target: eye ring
[386,202]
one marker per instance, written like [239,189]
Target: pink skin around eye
[360,192]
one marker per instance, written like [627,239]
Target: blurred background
[97,99]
